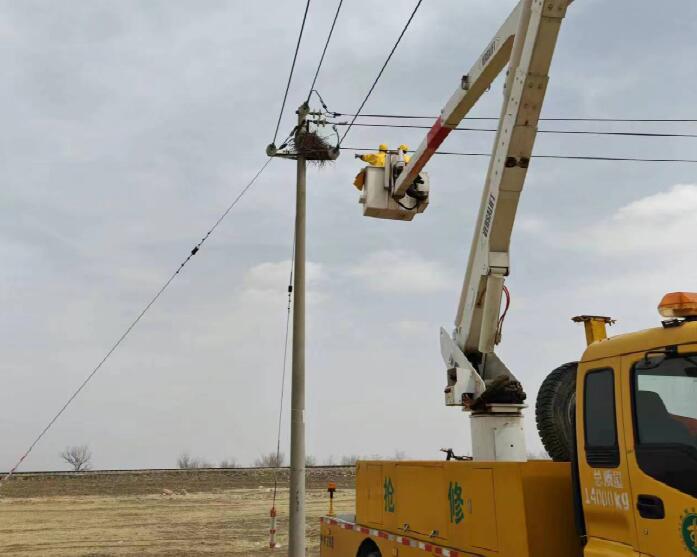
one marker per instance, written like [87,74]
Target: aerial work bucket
[376,184]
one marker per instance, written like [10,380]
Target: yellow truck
[620,424]
[629,489]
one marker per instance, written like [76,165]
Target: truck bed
[487,509]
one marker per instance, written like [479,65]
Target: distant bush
[187,462]
[228,463]
[270,460]
[350,460]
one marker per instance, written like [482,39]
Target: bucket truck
[620,423]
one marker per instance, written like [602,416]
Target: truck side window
[665,419]
[602,450]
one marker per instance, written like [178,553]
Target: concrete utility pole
[296,528]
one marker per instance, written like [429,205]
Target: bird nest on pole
[312,147]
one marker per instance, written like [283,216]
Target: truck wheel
[555,411]
[368,549]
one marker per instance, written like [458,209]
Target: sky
[129,126]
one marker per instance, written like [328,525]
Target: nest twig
[314,148]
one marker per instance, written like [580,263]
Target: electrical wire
[283,376]
[570,132]
[292,69]
[499,326]
[623,120]
[568,157]
[324,51]
[387,61]
[128,330]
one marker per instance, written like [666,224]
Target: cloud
[658,225]
[631,258]
[130,130]
[530,224]
[267,283]
[274,275]
[402,271]
[680,201]
[415,328]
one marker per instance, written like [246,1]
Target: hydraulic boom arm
[526,41]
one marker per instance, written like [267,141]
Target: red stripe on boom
[436,135]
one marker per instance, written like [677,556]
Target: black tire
[368,549]
[555,410]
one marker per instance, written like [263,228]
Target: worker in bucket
[373,159]
[403,150]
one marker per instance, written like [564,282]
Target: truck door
[661,441]
[602,462]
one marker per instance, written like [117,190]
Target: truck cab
[636,417]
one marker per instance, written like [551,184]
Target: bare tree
[187,462]
[270,460]
[78,457]
[229,463]
[349,460]
[329,461]
[399,455]
[310,460]
[184,461]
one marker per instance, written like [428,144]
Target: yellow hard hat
[383,147]
[403,147]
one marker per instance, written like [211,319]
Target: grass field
[220,519]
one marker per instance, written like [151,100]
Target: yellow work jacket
[375,159]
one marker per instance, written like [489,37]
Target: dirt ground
[146,482]
[218,521]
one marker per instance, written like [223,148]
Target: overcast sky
[128,126]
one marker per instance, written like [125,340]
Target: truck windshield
[665,395]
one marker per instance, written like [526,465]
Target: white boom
[526,41]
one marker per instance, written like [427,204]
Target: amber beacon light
[679,304]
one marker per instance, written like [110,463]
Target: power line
[568,132]
[292,69]
[324,51]
[387,61]
[626,120]
[123,336]
[283,376]
[568,157]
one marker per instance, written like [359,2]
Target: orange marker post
[331,488]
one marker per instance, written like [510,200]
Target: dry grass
[152,482]
[229,522]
